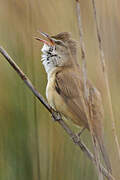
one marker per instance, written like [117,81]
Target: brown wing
[69,86]
[97,109]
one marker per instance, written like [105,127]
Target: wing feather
[69,85]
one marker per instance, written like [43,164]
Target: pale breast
[50,91]
[54,99]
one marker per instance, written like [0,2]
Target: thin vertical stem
[83,52]
[103,65]
[86,90]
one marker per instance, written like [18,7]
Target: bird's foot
[75,138]
[56,116]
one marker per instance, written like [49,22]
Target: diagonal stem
[55,115]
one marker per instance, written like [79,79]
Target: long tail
[97,156]
[104,153]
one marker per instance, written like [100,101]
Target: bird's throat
[49,59]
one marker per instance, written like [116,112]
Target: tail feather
[104,154]
[97,157]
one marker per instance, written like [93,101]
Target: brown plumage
[65,90]
[70,87]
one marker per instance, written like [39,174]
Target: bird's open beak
[49,40]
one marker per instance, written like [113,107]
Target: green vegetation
[32,146]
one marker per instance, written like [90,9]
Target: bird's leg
[79,134]
[75,138]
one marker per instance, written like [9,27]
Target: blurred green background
[32,146]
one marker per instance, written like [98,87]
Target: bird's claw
[75,138]
[56,116]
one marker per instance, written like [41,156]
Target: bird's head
[57,50]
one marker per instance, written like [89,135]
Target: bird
[65,87]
